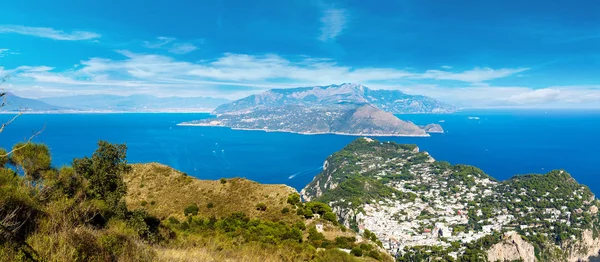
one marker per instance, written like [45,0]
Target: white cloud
[170,44]
[446,67]
[160,41]
[536,96]
[473,76]
[236,75]
[48,33]
[183,48]
[333,22]
[585,96]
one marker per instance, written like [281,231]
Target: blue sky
[470,53]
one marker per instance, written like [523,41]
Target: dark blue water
[502,143]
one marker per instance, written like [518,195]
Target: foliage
[191,210]
[356,251]
[261,207]
[33,159]
[104,171]
[293,199]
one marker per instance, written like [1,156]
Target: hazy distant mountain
[392,101]
[136,103]
[350,109]
[15,103]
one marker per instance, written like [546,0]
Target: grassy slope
[172,191]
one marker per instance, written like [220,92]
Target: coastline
[305,133]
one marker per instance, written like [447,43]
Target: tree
[33,159]
[104,171]
[330,216]
[293,199]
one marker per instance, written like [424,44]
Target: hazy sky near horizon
[470,53]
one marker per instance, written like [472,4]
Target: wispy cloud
[171,45]
[183,48]
[333,22]
[584,96]
[152,73]
[160,42]
[473,76]
[46,32]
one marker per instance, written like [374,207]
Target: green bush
[356,251]
[261,207]
[191,210]
[173,221]
[285,210]
[223,180]
[144,203]
[210,205]
[293,199]
[330,216]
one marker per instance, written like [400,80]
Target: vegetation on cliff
[103,209]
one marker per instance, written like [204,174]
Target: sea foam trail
[304,172]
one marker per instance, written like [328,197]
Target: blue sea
[502,143]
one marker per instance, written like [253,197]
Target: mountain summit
[393,101]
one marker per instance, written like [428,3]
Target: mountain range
[112,103]
[349,109]
[13,103]
[393,101]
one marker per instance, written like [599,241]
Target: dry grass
[167,192]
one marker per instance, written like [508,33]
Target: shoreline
[304,133]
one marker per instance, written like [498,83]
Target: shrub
[144,225]
[293,199]
[210,205]
[223,180]
[173,221]
[330,216]
[261,206]
[144,203]
[285,210]
[152,202]
[191,210]
[374,254]
[308,213]
[356,251]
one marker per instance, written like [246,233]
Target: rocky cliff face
[587,247]
[512,248]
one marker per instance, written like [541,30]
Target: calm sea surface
[502,143]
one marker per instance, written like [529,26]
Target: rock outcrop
[512,247]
